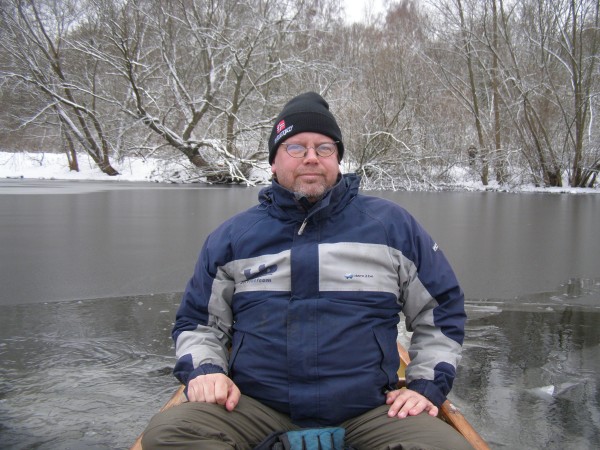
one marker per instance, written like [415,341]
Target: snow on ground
[54,166]
[51,166]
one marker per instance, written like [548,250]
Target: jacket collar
[282,202]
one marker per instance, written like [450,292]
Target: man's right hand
[214,388]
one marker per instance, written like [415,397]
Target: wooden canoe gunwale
[448,412]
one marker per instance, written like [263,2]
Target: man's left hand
[404,402]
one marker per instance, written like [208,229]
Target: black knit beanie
[306,112]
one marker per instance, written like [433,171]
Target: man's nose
[311,153]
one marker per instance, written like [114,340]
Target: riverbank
[53,166]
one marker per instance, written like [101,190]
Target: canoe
[448,412]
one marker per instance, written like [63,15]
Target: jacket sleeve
[202,330]
[434,310]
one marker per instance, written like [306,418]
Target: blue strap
[315,439]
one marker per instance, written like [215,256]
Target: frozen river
[91,275]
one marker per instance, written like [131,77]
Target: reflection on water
[529,374]
[91,374]
[84,374]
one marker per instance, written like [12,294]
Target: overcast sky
[355,9]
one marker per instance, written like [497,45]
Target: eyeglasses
[299,151]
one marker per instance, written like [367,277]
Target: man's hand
[214,388]
[405,402]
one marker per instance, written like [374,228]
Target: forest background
[504,92]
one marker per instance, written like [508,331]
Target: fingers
[214,388]
[217,393]
[404,402]
[233,398]
[195,390]
[200,391]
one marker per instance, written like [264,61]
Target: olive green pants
[195,425]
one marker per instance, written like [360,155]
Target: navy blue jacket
[300,306]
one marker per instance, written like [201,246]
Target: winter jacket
[299,305]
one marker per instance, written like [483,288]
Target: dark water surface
[91,275]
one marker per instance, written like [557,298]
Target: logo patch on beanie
[280,126]
[282,133]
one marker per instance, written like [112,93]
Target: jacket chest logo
[351,276]
[262,271]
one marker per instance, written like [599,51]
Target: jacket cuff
[205,369]
[428,389]
[184,369]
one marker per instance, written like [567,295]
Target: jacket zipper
[302,227]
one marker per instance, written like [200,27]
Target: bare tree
[460,66]
[578,52]
[385,131]
[194,76]
[513,85]
[551,85]
[36,36]
[500,164]
[529,80]
[200,73]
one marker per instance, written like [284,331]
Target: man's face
[312,175]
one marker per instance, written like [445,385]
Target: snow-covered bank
[53,166]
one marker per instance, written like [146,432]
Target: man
[289,321]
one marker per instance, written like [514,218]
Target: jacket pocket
[390,360]
[238,339]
